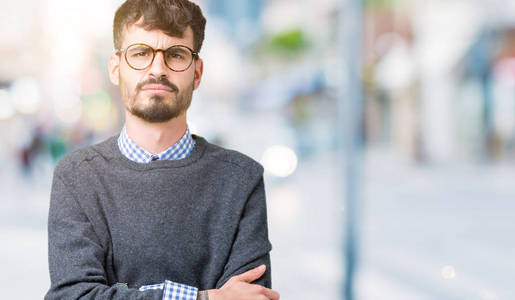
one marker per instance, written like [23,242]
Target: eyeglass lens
[177,58]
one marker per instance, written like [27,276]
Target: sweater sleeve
[77,257]
[251,246]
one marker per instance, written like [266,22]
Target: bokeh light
[6,108]
[26,95]
[67,105]
[279,161]
[448,272]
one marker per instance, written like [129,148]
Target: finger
[252,274]
[271,294]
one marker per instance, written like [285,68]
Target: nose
[158,67]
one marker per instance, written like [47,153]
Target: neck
[155,137]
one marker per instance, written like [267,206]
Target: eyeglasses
[177,58]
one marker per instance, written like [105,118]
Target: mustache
[161,81]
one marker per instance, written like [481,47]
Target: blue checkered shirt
[132,151]
[173,290]
[180,150]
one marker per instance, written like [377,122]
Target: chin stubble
[158,110]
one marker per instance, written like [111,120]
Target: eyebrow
[138,46]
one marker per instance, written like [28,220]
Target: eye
[175,55]
[141,53]
[138,52]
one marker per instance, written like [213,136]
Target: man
[158,213]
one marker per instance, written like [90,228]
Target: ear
[199,69]
[114,68]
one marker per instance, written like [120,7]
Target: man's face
[155,94]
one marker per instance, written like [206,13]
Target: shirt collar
[181,149]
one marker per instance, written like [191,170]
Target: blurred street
[437,232]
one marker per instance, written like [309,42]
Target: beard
[158,108]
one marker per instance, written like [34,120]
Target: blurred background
[434,171]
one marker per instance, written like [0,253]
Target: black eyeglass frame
[194,55]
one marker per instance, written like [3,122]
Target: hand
[240,288]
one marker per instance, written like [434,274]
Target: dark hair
[171,16]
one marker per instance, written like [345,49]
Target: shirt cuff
[173,290]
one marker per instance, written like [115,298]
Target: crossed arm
[237,288]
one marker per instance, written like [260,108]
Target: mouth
[157,88]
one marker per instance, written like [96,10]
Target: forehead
[156,38]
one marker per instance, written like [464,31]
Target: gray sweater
[197,221]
